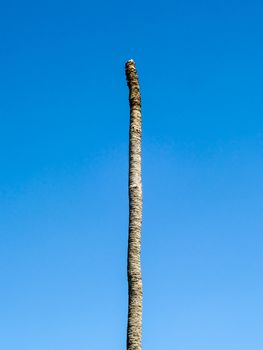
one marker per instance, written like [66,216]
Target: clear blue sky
[63,180]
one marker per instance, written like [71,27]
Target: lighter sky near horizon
[64,118]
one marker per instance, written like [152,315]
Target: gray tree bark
[134,328]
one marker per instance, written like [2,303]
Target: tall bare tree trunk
[134,329]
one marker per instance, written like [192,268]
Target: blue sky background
[63,181]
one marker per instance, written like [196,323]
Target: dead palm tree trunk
[134,329]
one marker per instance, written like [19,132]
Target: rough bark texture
[134,329]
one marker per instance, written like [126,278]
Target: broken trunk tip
[130,62]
